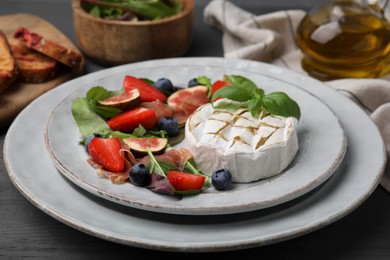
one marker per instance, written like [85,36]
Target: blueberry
[193,83]
[221,179]
[169,124]
[89,139]
[140,175]
[164,85]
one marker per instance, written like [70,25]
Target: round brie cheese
[250,148]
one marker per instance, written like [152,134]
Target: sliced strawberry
[106,152]
[147,92]
[182,181]
[129,120]
[218,85]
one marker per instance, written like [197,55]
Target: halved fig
[139,145]
[125,101]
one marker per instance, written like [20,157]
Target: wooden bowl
[111,42]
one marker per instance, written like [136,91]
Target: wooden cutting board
[19,95]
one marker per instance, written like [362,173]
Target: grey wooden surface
[28,233]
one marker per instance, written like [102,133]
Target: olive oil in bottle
[345,39]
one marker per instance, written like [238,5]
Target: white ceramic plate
[322,146]
[36,177]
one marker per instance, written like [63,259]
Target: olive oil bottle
[345,39]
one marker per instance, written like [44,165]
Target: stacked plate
[335,170]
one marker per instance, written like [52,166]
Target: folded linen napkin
[271,38]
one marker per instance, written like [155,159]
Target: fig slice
[125,101]
[138,146]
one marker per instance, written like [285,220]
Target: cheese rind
[251,148]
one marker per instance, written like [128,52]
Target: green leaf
[150,9]
[95,11]
[106,112]
[87,120]
[154,166]
[279,103]
[241,82]
[230,105]
[205,81]
[139,131]
[254,106]
[233,93]
[121,135]
[97,93]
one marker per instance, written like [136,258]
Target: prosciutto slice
[177,157]
[160,108]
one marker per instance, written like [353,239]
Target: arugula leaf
[154,166]
[163,167]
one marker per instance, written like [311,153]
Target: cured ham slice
[160,108]
[184,102]
[177,157]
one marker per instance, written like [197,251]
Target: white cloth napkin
[271,38]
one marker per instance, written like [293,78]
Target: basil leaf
[230,105]
[254,106]
[87,120]
[279,103]
[233,93]
[241,82]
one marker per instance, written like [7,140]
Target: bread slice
[8,69]
[33,67]
[55,50]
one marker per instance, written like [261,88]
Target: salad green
[134,10]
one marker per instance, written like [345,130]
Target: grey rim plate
[38,180]
[322,146]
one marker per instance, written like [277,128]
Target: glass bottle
[345,39]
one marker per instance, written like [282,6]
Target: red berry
[106,152]
[129,120]
[147,92]
[218,85]
[183,181]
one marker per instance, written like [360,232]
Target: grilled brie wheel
[250,148]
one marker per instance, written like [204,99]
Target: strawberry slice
[183,181]
[106,152]
[129,120]
[217,85]
[147,92]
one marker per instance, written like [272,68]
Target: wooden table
[27,232]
